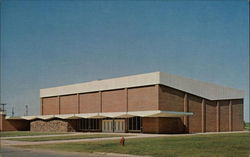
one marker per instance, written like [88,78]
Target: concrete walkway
[5,142]
[23,152]
[70,134]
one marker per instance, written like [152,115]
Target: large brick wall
[194,122]
[142,98]
[50,105]
[150,125]
[52,126]
[211,112]
[224,115]
[171,125]
[69,104]
[170,99]
[114,101]
[208,116]
[162,125]
[237,115]
[90,102]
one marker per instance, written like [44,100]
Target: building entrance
[117,125]
[107,125]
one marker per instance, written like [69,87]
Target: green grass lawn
[26,133]
[70,137]
[247,126]
[221,145]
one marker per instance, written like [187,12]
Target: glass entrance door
[107,126]
[119,125]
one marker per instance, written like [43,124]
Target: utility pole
[12,113]
[26,110]
[2,107]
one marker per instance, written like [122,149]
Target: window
[134,123]
[89,124]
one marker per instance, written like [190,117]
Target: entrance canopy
[152,113]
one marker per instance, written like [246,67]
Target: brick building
[148,103]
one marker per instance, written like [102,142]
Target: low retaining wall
[13,124]
[163,125]
[53,126]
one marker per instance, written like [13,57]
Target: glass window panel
[130,123]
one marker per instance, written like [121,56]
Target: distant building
[149,103]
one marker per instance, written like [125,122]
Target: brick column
[186,109]
[78,102]
[41,106]
[100,96]
[157,88]
[218,116]
[59,105]
[203,116]
[126,98]
[230,115]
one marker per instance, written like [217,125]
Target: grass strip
[72,137]
[27,133]
[220,145]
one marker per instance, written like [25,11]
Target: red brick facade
[194,106]
[237,115]
[90,102]
[208,116]
[113,101]
[211,118]
[50,105]
[142,99]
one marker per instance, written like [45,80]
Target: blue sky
[53,43]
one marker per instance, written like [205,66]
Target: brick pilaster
[230,115]
[59,105]
[157,88]
[41,106]
[186,110]
[218,116]
[78,102]
[203,116]
[126,98]
[100,96]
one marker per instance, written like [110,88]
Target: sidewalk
[24,152]
[5,142]
[70,134]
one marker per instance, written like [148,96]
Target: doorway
[117,125]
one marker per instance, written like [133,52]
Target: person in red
[122,141]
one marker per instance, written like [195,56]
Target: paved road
[20,152]
[17,152]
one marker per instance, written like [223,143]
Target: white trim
[29,117]
[45,117]
[199,88]
[13,118]
[153,113]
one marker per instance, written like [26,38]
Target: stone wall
[51,126]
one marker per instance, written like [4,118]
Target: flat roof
[200,88]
